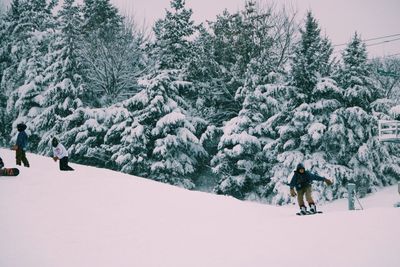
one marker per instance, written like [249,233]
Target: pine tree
[101,20]
[112,55]
[239,162]
[311,59]
[30,28]
[299,130]
[172,47]
[62,79]
[355,75]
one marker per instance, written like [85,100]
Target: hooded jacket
[302,180]
[22,140]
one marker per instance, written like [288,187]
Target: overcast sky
[338,19]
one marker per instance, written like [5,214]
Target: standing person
[20,146]
[60,153]
[302,181]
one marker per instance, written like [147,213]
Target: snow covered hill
[95,217]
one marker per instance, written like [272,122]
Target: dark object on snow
[1,163]
[308,213]
[9,172]
[64,165]
[21,157]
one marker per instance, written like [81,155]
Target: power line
[393,55]
[372,39]
[383,42]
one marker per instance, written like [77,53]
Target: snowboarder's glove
[328,182]
[292,192]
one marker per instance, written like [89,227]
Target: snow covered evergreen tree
[112,55]
[172,46]
[240,162]
[311,59]
[150,134]
[62,79]
[373,163]
[333,137]
[299,129]
[224,51]
[4,63]
[31,25]
[101,19]
[355,75]
[175,148]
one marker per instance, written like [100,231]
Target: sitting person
[60,153]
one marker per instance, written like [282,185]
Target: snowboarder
[302,180]
[7,171]
[60,153]
[20,146]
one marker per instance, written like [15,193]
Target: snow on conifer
[62,81]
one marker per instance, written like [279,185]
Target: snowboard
[9,172]
[308,213]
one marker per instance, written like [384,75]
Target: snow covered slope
[94,218]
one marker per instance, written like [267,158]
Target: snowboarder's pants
[64,164]
[300,196]
[21,156]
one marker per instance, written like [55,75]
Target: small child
[20,146]
[60,153]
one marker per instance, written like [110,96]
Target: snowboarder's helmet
[21,127]
[300,166]
[54,142]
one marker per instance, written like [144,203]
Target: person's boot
[303,210]
[313,208]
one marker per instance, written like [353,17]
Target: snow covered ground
[94,217]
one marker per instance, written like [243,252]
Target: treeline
[249,96]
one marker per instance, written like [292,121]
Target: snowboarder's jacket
[302,180]
[60,151]
[22,139]
[1,163]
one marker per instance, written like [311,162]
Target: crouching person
[61,154]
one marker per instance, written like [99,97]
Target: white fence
[389,131]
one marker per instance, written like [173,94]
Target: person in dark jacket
[20,146]
[1,163]
[301,181]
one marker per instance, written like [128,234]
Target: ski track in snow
[97,217]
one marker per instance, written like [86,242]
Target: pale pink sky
[339,19]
